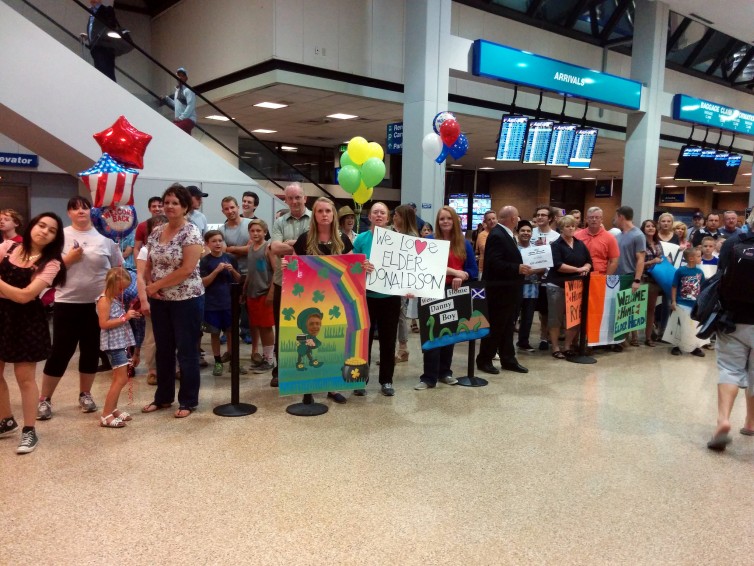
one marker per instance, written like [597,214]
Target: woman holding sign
[653,257]
[462,267]
[571,259]
[404,222]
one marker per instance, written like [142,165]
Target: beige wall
[608,205]
[522,189]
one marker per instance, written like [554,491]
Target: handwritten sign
[574,291]
[673,252]
[457,316]
[406,264]
[630,310]
[537,257]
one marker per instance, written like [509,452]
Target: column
[643,128]
[426,72]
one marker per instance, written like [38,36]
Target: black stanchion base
[234,410]
[307,408]
[471,381]
[581,360]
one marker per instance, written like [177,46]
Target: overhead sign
[19,160]
[521,67]
[395,138]
[698,111]
[672,198]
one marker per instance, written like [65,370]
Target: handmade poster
[457,316]
[630,310]
[324,325]
[574,291]
[600,324]
[537,257]
[406,264]
[681,330]
[673,252]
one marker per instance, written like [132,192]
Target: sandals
[184,412]
[570,353]
[111,421]
[634,342]
[122,415]
[649,343]
[559,355]
[401,356]
[152,407]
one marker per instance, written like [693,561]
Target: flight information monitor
[479,205]
[728,175]
[512,137]
[459,202]
[537,141]
[705,167]
[561,142]
[688,159]
[582,150]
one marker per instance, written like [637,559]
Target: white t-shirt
[540,238]
[85,279]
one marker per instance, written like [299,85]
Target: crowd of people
[153,310]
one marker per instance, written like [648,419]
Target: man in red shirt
[602,245]
[155,209]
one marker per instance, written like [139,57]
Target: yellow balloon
[375,150]
[363,194]
[358,150]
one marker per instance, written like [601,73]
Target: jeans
[528,306]
[437,364]
[177,326]
[384,314]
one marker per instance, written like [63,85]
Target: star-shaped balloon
[124,143]
[110,184]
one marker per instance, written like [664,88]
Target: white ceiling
[732,17]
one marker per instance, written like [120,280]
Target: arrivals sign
[503,63]
[698,111]
[19,160]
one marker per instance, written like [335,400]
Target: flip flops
[719,442]
[746,431]
[152,407]
[184,412]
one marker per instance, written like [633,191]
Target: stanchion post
[469,380]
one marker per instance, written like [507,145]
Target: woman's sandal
[111,421]
[152,407]
[122,415]
[559,355]
[649,343]
[569,353]
[634,342]
[401,356]
[184,412]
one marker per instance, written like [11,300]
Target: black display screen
[537,141]
[559,153]
[510,146]
[704,171]
[582,150]
[688,160]
[729,172]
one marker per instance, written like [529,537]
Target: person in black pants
[504,276]
[101,22]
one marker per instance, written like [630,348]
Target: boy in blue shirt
[708,251]
[218,270]
[687,284]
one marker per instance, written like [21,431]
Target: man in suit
[101,22]
[503,274]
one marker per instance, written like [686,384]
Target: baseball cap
[698,215]
[196,191]
[182,70]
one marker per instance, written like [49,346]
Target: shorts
[216,321]
[260,313]
[735,357]
[542,307]
[555,306]
[117,358]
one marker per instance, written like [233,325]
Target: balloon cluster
[361,169]
[446,139]
[111,180]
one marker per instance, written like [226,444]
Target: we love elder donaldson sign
[496,61]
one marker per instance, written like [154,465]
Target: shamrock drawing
[288,313]
[323,273]
[297,289]
[293,265]
[356,268]
[334,312]
[318,297]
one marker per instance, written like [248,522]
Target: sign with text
[19,160]
[712,114]
[395,138]
[457,316]
[681,330]
[574,291]
[630,310]
[537,257]
[406,264]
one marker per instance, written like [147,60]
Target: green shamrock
[293,265]
[318,297]
[288,313]
[323,273]
[334,312]
[298,289]
[357,268]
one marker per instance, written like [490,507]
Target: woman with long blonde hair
[404,222]
[681,230]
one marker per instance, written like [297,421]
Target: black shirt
[324,249]
[562,253]
[742,313]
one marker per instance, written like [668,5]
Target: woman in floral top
[176,299]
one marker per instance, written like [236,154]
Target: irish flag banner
[600,324]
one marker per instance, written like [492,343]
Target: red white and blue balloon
[110,183]
[114,222]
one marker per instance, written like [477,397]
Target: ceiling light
[489,158]
[746,174]
[218,118]
[263,131]
[288,148]
[674,164]
[113,34]
[666,177]
[565,176]
[593,169]
[270,105]
[342,116]
[486,168]
[456,165]
[589,178]
[724,191]
[671,186]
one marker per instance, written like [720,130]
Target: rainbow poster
[324,325]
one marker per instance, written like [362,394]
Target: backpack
[736,284]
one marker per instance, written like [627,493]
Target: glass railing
[138,71]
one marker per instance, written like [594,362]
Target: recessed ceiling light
[746,174]
[218,118]
[486,168]
[456,165]
[589,178]
[288,148]
[270,105]
[671,186]
[263,131]
[251,153]
[565,176]
[342,116]
[593,169]
[666,177]
[489,158]
[674,164]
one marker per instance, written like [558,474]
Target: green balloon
[372,171]
[345,159]
[349,178]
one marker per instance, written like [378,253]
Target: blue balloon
[459,149]
[114,222]
[443,154]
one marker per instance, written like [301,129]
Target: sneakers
[218,369]
[422,385]
[387,389]
[448,380]
[676,351]
[225,358]
[256,359]
[8,426]
[698,353]
[86,403]
[525,347]
[29,442]
[543,346]
[202,362]
[263,367]
[44,410]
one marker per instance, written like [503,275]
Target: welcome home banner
[604,309]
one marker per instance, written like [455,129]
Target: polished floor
[569,464]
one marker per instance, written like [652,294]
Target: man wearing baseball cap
[183,102]
[698,219]
[196,217]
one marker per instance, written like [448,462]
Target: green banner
[630,310]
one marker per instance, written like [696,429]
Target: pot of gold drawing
[355,370]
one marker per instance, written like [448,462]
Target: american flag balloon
[110,184]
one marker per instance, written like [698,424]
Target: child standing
[258,293]
[708,251]
[687,284]
[218,270]
[115,337]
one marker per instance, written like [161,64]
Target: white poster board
[673,252]
[708,270]
[406,264]
[681,330]
[537,257]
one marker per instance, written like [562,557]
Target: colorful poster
[630,310]
[681,330]
[600,323]
[457,316]
[574,291]
[324,325]
[406,264]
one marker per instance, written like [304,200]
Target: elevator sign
[19,160]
